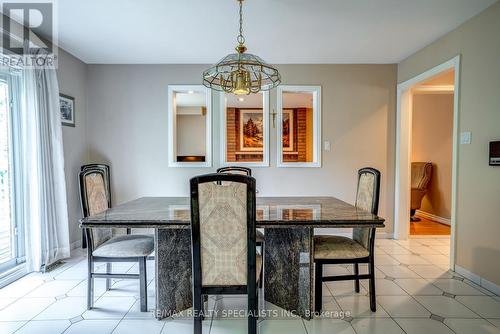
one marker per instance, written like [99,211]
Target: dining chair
[259,237]
[248,172]
[355,250]
[104,171]
[95,198]
[235,170]
[225,260]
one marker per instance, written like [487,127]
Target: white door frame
[403,151]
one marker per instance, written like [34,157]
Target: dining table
[289,225]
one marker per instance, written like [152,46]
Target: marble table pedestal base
[288,267]
[288,270]
[173,271]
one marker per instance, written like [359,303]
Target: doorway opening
[426,156]
[431,155]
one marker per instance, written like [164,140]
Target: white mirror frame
[316,92]
[265,157]
[172,126]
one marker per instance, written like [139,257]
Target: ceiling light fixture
[241,73]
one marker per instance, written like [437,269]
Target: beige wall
[127,127]
[72,77]
[478,222]
[432,132]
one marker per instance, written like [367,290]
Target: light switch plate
[465,138]
[327,146]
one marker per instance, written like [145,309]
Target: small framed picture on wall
[67,108]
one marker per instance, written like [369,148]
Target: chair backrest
[367,197]
[421,173]
[95,197]
[235,170]
[223,229]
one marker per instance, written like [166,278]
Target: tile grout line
[123,317]
[432,283]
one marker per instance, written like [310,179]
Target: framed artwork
[67,108]
[288,130]
[252,130]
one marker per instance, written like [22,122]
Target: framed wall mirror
[244,129]
[298,126]
[190,126]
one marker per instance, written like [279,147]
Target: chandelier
[241,73]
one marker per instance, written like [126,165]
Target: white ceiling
[280,31]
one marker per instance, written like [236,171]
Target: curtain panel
[41,170]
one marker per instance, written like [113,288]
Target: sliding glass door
[11,235]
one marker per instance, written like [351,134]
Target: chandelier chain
[241,39]
[241,73]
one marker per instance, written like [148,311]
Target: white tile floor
[415,294]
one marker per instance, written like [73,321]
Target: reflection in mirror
[299,126]
[189,108]
[244,129]
[191,114]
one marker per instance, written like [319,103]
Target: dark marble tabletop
[173,212]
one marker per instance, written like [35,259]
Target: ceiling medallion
[241,73]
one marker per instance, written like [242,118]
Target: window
[11,236]
[244,130]
[299,126]
[189,117]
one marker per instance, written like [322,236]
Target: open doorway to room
[426,160]
[431,155]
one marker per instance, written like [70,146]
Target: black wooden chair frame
[319,279]
[87,237]
[229,169]
[198,289]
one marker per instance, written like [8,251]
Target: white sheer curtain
[41,170]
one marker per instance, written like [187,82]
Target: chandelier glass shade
[241,73]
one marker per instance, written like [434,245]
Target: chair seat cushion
[130,245]
[332,247]
[259,236]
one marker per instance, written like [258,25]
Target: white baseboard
[490,286]
[430,216]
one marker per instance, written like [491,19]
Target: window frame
[15,267]
[317,147]
[172,126]
[266,132]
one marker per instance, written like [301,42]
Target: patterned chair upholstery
[355,250]
[101,246]
[225,260]
[96,198]
[421,173]
[242,171]
[338,247]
